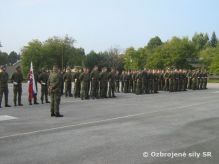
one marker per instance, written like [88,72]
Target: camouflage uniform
[67,77]
[139,83]
[4,87]
[166,80]
[111,79]
[85,84]
[43,80]
[103,84]
[117,78]
[17,78]
[55,84]
[94,83]
[77,84]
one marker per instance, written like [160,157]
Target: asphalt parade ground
[169,128]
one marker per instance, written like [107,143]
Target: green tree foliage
[92,59]
[213,41]
[131,58]
[32,52]
[200,41]
[154,42]
[110,58]
[13,57]
[209,58]
[55,50]
[3,58]
[10,59]
[206,56]
[214,66]
[175,53]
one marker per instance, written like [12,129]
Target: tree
[154,42]
[206,56]
[3,58]
[59,50]
[200,41]
[32,52]
[131,59]
[13,57]
[213,41]
[214,65]
[92,59]
[175,53]
[54,51]
[110,58]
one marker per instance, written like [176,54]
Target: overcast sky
[101,24]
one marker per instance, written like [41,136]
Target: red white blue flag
[31,83]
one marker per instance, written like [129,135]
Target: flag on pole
[31,83]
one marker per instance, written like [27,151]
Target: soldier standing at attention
[111,79]
[130,82]
[166,79]
[205,79]
[189,79]
[43,80]
[54,83]
[155,81]
[139,83]
[103,83]
[184,80]
[85,82]
[4,86]
[126,82]
[117,77]
[194,80]
[17,78]
[67,77]
[134,81]
[94,82]
[77,83]
[171,81]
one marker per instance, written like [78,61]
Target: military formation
[152,81]
[100,83]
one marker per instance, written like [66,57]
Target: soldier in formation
[67,77]
[4,86]
[17,79]
[152,81]
[102,83]
[43,80]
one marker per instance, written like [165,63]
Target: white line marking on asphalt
[216,92]
[6,117]
[103,121]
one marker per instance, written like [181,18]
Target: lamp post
[62,56]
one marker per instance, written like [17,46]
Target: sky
[102,24]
